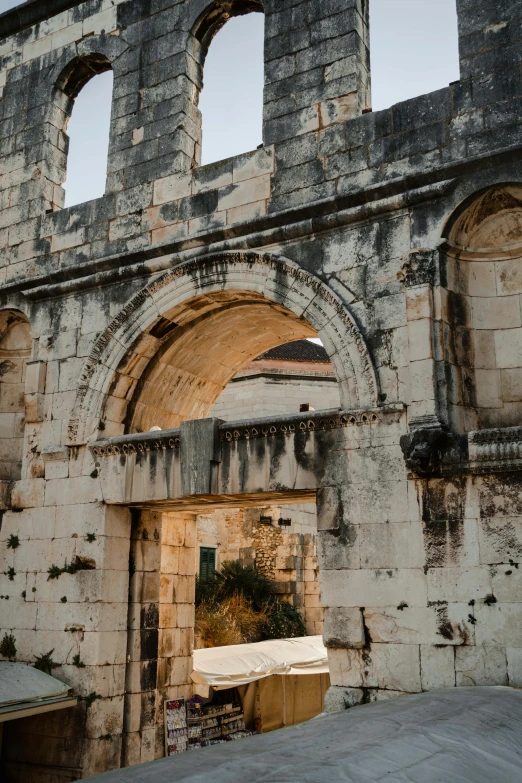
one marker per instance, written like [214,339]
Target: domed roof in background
[298,351]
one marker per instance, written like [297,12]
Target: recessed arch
[168,317]
[80,71]
[216,15]
[487,223]
[482,268]
[15,352]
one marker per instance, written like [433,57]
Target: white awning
[239,664]
[26,691]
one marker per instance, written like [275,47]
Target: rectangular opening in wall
[414,49]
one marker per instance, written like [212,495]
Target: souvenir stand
[262,686]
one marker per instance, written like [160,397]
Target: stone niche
[481,311]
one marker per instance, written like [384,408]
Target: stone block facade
[395,236]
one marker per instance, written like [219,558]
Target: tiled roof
[298,351]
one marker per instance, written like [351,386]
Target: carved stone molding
[437,452]
[141,443]
[498,445]
[419,268]
[265,429]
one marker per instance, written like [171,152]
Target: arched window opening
[408,38]
[232,99]
[88,84]
[15,352]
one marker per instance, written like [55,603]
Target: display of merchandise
[192,724]
[176,730]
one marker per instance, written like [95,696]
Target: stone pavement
[464,735]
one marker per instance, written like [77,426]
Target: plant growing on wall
[8,646]
[45,663]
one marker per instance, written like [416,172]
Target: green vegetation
[238,605]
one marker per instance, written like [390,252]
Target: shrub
[237,606]
[235,579]
[283,622]
[233,621]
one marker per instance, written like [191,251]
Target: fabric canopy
[26,690]
[240,664]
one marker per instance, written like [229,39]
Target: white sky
[413,47]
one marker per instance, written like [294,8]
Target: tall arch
[175,304]
[70,82]
[206,25]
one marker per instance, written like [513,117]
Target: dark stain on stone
[443,540]
[149,644]
[149,671]
[148,709]
[504,537]
[149,617]
[443,499]
[501,495]
[7,366]
[457,311]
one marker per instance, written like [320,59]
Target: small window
[414,48]
[207,563]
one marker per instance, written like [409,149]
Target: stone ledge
[436,452]
[32,12]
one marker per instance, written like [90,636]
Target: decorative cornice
[140,443]
[318,421]
[497,445]
[312,422]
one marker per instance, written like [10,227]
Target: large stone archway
[174,301]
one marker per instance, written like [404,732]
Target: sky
[413,51]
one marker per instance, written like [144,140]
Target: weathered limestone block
[338,698]
[344,628]
[437,667]
[481,665]
[384,666]
[404,624]
[377,588]
[28,493]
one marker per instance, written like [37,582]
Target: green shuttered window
[207,563]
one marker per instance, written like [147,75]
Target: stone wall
[393,235]
[270,394]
